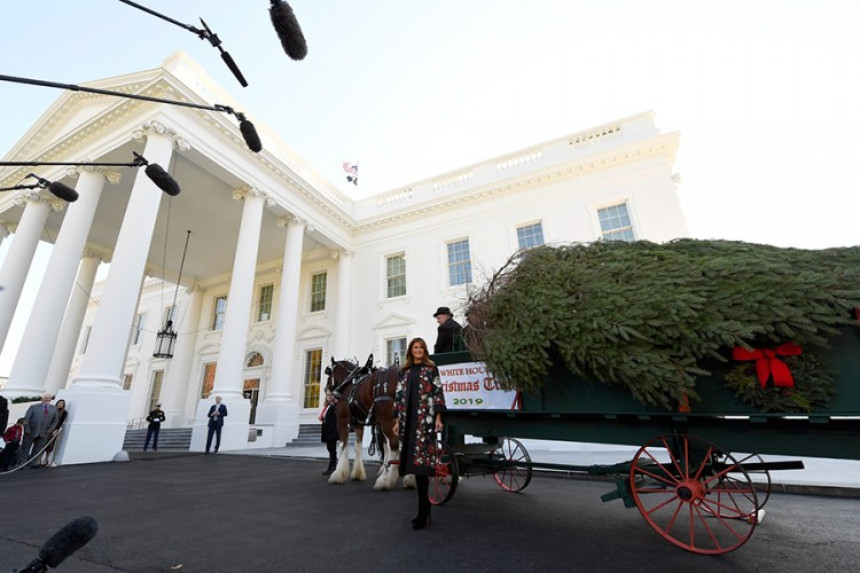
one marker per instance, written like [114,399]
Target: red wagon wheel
[444,483]
[763,483]
[693,494]
[518,469]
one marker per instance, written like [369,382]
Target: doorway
[251,391]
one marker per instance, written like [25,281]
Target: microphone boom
[288,30]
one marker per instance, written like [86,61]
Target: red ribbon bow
[767,364]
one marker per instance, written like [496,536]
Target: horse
[365,397]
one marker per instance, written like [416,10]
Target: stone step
[168,439]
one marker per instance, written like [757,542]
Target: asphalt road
[190,513]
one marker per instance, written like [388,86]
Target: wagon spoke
[704,511]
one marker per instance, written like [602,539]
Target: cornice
[665,145]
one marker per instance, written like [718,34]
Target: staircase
[309,435]
[168,439]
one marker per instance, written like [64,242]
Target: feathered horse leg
[358,472]
[341,472]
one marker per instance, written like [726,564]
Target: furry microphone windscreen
[69,539]
[249,132]
[162,179]
[64,192]
[288,30]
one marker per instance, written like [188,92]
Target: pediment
[394,320]
[314,332]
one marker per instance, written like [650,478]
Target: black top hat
[443,310]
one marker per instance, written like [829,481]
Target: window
[529,236]
[313,368]
[254,359]
[155,391]
[137,329]
[318,288]
[127,380]
[218,313]
[395,351]
[169,314]
[395,272]
[208,379]
[86,340]
[615,223]
[459,263]
[264,311]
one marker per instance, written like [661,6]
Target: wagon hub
[689,490]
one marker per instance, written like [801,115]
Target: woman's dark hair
[410,361]
[58,403]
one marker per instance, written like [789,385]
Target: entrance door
[251,391]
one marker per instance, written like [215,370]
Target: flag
[353,172]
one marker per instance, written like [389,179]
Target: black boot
[422,520]
[332,464]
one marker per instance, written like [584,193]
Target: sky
[765,94]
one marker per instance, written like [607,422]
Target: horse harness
[358,376]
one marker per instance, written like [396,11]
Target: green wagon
[684,479]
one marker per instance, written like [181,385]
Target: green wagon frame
[684,479]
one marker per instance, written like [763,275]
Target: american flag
[352,169]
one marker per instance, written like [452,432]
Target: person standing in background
[155,418]
[62,413]
[39,421]
[216,421]
[329,434]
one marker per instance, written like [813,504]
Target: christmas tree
[653,317]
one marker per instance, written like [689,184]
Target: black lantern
[165,340]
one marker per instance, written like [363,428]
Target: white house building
[282,270]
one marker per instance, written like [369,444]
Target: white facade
[290,228]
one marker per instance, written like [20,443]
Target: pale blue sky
[764,92]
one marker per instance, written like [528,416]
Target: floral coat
[418,424]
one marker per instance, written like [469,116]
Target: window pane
[208,378]
[126,383]
[459,263]
[218,313]
[169,314]
[395,351]
[395,268]
[265,304]
[615,223]
[137,329]
[318,290]
[313,367]
[155,392]
[530,236]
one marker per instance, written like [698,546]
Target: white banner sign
[469,385]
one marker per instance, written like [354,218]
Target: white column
[4,231]
[279,413]
[98,406]
[30,369]
[173,396]
[234,338]
[20,255]
[64,353]
[342,322]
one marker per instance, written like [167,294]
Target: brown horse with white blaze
[365,397]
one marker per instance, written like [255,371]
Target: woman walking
[418,407]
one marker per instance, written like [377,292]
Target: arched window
[254,359]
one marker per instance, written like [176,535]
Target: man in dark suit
[216,421]
[39,421]
[449,330]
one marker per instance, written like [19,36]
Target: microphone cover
[69,539]
[249,132]
[64,192]
[288,30]
[162,179]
